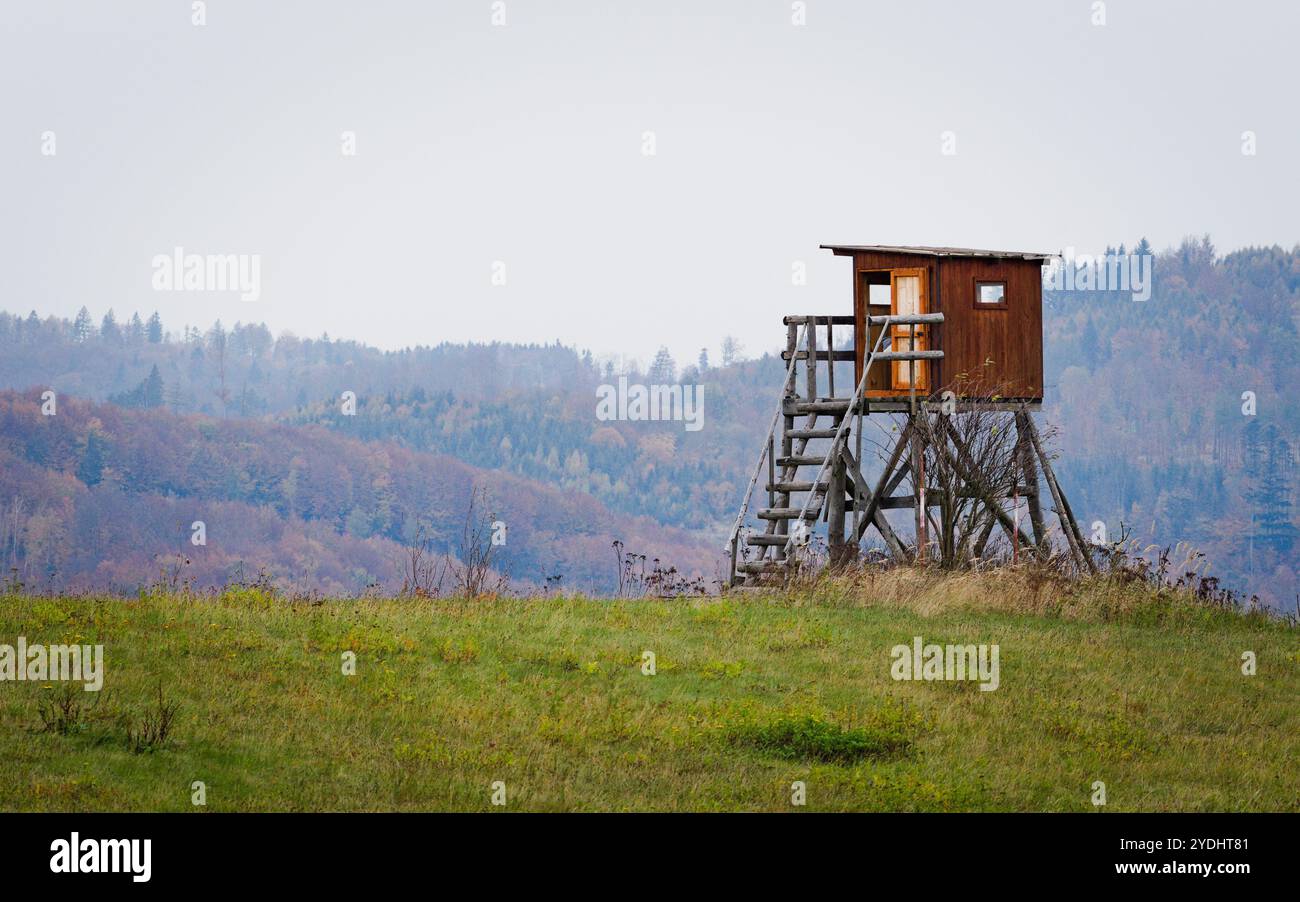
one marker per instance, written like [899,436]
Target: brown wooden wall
[1009,339]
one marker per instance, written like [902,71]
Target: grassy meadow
[1141,690]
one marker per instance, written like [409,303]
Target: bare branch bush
[62,711]
[153,729]
[473,574]
[423,571]
[973,460]
[1176,568]
[659,581]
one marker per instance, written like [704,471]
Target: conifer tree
[82,327]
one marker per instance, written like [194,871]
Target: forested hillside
[524,409]
[1147,396]
[97,496]
[1156,429]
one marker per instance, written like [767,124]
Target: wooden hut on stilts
[951,339]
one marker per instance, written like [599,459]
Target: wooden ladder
[801,468]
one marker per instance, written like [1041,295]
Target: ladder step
[822,355]
[787,487]
[823,406]
[812,433]
[760,566]
[848,506]
[789,513]
[801,460]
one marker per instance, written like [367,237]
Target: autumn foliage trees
[103,497]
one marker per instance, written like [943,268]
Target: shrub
[61,711]
[803,737]
[153,729]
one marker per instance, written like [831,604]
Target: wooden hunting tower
[944,335]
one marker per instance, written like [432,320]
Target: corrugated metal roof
[939,251]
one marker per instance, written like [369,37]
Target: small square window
[991,294]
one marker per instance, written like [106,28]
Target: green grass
[807,737]
[750,694]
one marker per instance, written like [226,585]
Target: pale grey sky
[523,144]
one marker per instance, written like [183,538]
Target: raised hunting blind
[990,343]
[952,340]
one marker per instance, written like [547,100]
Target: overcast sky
[524,144]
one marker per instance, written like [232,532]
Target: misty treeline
[529,410]
[1147,396]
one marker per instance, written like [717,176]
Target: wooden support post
[1015,522]
[1071,529]
[875,512]
[884,486]
[835,511]
[810,365]
[731,580]
[771,471]
[911,368]
[854,477]
[860,487]
[918,488]
[978,550]
[1025,454]
[887,532]
[904,467]
[830,358]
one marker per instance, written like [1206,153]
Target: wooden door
[908,296]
